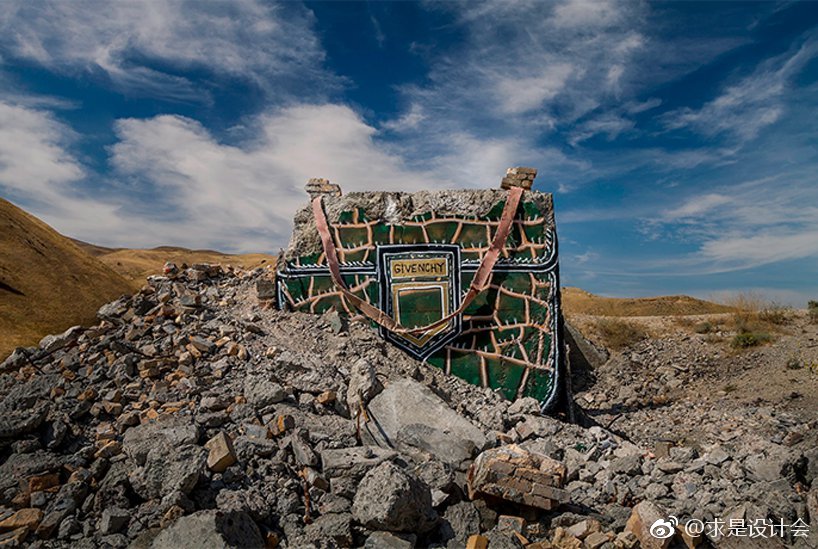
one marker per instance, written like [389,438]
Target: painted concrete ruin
[415,255]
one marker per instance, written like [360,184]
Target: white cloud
[610,124]
[737,251]
[33,155]
[521,94]
[697,205]
[142,46]
[748,106]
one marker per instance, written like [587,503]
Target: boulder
[140,440]
[333,527]
[345,467]
[409,416]
[261,392]
[169,469]
[211,529]
[391,499]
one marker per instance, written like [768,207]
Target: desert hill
[136,264]
[577,301]
[47,282]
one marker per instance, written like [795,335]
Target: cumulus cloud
[173,181]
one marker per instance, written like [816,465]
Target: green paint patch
[505,376]
[466,366]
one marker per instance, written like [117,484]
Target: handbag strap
[479,283]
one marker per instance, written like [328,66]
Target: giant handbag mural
[467,281]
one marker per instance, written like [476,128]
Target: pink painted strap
[479,283]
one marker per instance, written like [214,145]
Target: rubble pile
[196,415]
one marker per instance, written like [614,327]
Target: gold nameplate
[409,268]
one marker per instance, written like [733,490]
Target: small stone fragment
[113,520]
[477,541]
[24,518]
[221,453]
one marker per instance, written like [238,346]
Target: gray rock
[389,498]
[345,467]
[113,520]
[335,527]
[629,465]
[51,343]
[716,456]
[761,468]
[525,405]
[459,522]
[140,440]
[388,540]
[503,540]
[408,415]
[211,529]
[261,392]
[168,469]
[364,385]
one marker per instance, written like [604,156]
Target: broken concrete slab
[390,498]
[173,431]
[345,467]
[168,469]
[408,416]
[212,529]
[515,474]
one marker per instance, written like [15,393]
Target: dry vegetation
[756,321]
[618,334]
[580,302]
[136,265]
[47,283]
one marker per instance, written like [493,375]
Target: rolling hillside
[135,264]
[47,282]
[577,301]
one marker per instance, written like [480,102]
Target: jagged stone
[140,440]
[408,416]
[212,529]
[169,469]
[389,498]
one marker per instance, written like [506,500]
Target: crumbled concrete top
[393,208]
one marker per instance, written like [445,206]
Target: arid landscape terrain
[191,413]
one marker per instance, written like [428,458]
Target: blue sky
[679,139]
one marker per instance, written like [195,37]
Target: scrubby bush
[742,340]
[812,307]
[704,327]
[775,314]
[618,334]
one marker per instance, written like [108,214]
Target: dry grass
[812,309]
[576,301]
[136,265]
[47,283]
[755,320]
[618,334]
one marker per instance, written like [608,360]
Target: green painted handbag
[467,281]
